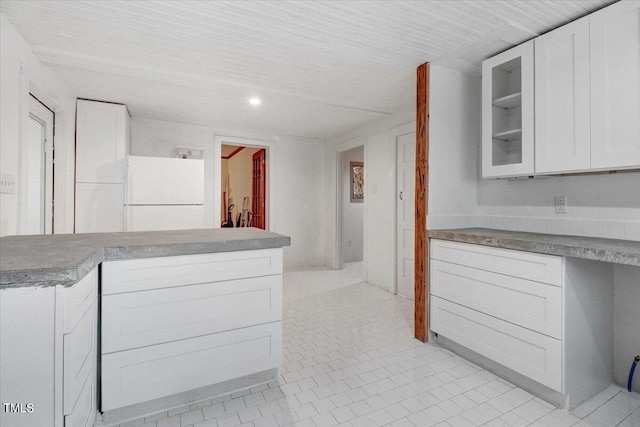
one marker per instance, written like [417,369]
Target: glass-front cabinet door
[507,113]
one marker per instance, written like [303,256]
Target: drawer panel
[135,376]
[164,272]
[80,357]
[78,298]
[534,355]
[526,265]
[139,319]
[84,413]
[533,305]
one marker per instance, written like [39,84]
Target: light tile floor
[351,360]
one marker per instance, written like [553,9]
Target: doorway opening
[351,206]
[38,164]
[243,186]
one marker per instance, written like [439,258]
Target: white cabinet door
[562,137]
[534,355]
[146,373]
[80,358]
[615,86]
[99,208]
[102,138]
[533,305]
[137,319]
[507,113]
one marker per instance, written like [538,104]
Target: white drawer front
[135,376]
[84,413]
[534,355]
[78,298]
[138,319]
[534,305]
[527,265]
[164,272]
[80,357]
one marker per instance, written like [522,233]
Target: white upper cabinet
[587,99]
[102,142]
[562,113]
[615,86]
[507,113]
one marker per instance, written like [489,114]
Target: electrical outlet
[7,183]
[561,204]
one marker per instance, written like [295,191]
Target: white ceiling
[320,67]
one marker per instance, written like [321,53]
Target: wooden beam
[236,151]
[421,315]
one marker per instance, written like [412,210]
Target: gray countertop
[607,250]
[63,259]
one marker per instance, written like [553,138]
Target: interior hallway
[351,360]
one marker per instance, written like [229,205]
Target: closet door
[562,113]
[615,86]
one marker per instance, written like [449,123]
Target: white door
[562,137]
[405,203]
[615,86]
[37,200]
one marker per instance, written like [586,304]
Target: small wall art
[357,182]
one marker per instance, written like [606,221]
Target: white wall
[352,213]
[21,73]
[379,193]
[298,179]
[599,205]
[454,138]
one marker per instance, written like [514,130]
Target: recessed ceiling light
[255,101]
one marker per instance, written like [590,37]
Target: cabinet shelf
[508,135]
[509,101]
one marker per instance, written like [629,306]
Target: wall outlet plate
[7,183]
[560,204]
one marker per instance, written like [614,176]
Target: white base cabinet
[49,356]
[544,317]
[175,324]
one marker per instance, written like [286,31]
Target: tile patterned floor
[351,360]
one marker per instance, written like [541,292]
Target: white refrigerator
[164,194]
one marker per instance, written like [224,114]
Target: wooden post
[421,317]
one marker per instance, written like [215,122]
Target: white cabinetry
[175,324]
[507,113]
[49,357]
[99,207]
[102,143]
[562,113]
[615,86]
[546,318]
[509,311]
[587,99]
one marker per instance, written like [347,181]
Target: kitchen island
[122,324]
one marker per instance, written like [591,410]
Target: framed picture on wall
[357,182]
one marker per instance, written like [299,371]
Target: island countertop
[63,259]
[598,249]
